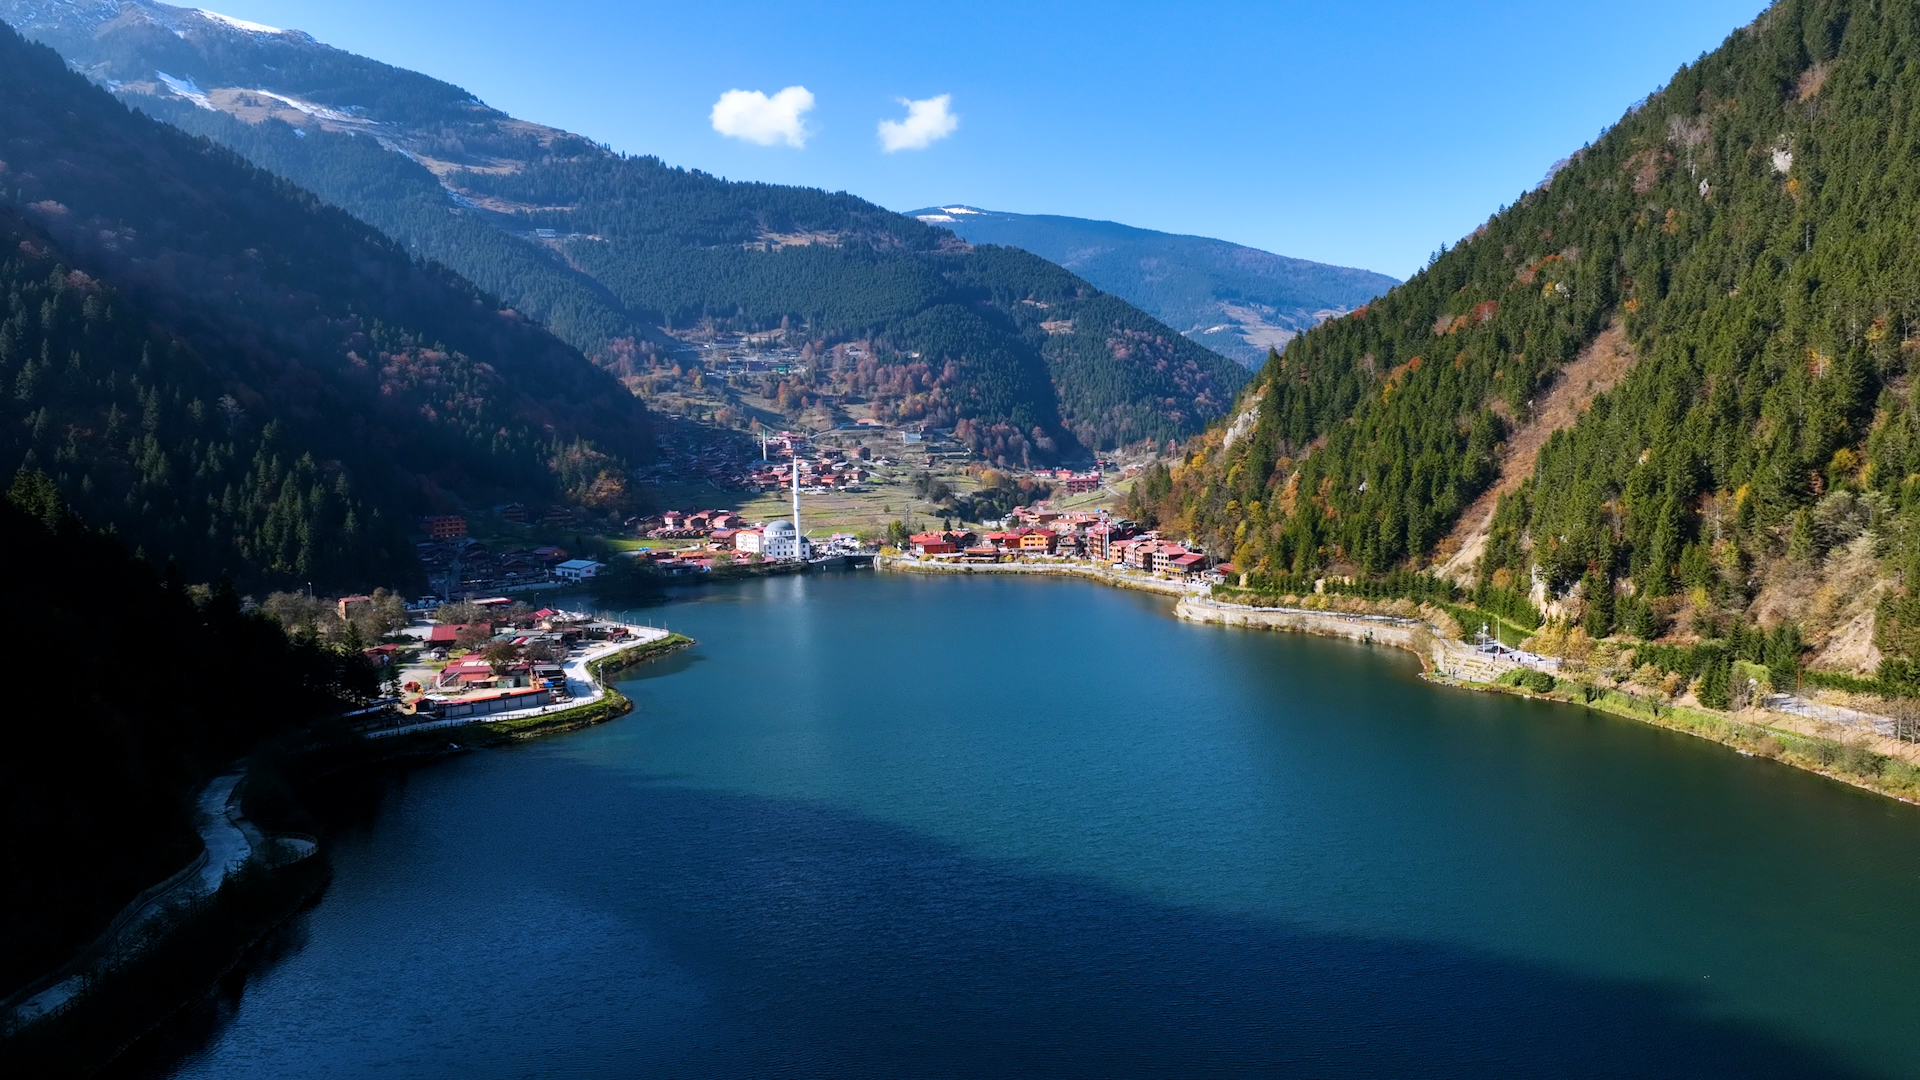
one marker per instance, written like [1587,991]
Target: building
[577,570]
[485,704]
[1038,542]
[748,541]
[349,606]
[465,672]
[444,526]
[446,635]
[1186,563]
[780,540]
[933,544]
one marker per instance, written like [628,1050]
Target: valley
[1239,301]
[357,430]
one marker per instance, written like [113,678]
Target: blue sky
[1365,134]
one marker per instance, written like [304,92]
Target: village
[1040,534]
[493,658]
[858,483]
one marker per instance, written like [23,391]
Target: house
[349,606]
[1080,485]
[723,539]
[749,541]
[550,555]
[444,526]
[933,544]
[465,672]
[513,511]
[383,656]
[445,635]
[1187,563]
[577,570]
[1037,541]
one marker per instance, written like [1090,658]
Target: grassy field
[889,497]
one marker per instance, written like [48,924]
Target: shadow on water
[827,943]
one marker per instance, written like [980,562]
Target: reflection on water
[884,827]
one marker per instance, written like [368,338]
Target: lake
[877,825]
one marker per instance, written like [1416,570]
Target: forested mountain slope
[1238,301]
[605,248]
[96,785]
[235,375]
[1753,229]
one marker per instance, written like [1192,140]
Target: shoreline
[1774,734]
[908,564]
[219,924]
[1445,662]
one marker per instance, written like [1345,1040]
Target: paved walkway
[580,683]
[230,841]
[1105,573]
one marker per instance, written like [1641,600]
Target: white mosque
[784,540]
[780,540]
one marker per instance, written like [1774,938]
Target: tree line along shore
[103,778]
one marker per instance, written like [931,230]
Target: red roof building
[447,633]
[445,526]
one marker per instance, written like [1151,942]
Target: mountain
[1670,392]
[1238,301]
[97,783]
[1022,358]
[234,375]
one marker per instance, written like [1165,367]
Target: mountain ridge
[1750,230]
[1239,301]
[228,371]
[608,249]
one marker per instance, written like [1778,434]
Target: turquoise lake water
[890,826]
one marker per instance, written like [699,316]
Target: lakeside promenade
[1797,732]
[1105,573]
[582,687]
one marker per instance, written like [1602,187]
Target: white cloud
[756,118]
[926,121]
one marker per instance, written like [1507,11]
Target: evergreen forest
[232,374]
[1748,240]
[1024,360]
[96,784]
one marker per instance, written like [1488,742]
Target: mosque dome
[779,528]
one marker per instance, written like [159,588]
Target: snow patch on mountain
[308,107]
[186,89]
[240,24]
